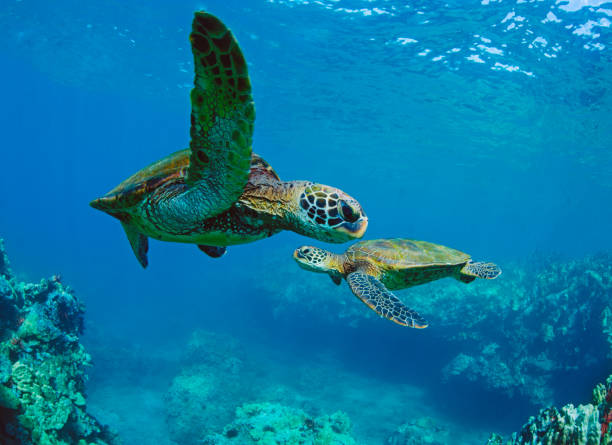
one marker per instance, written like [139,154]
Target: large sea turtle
[217,192]
[373,267]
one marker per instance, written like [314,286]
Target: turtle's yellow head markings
[329,214]
[313,259]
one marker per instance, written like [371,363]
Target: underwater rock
[567,302]
[42,365]
[421,431]
[582,425]
[194,405]
[270,423]
[203,396]
[218,375]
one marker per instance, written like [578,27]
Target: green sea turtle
[217,192]
[373,267]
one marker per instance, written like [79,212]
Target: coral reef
[42,365]
[582,425]
[271,424]
[219,374]
[544,316]
[549,316]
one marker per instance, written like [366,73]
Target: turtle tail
[470,271]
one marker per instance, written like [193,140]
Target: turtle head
[314,259]
[328,214]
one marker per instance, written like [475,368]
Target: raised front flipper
[373,293]
[222,114]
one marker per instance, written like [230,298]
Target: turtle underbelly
[414,276]
[234,226]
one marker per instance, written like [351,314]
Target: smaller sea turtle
[373,267]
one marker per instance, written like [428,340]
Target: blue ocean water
[480,125]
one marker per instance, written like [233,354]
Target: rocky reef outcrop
[588,424]
[546,317]
[214,399]
[270,423]
[203,396]
[42,365]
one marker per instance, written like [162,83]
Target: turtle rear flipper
[213,251]
[487,271]
[374,294]
[222,114]
[139,243]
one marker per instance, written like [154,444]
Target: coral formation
[548,316]
[203,397]
[271,424]
[42,365]
[582,425]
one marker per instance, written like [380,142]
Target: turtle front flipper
[335,277]
[373,293]
[487,271]
[222,114]
[139,243]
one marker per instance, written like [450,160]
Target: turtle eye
[348,213]
[306,251]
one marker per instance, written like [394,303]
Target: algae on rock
[582,425]
[272,424]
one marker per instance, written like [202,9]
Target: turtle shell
[131,191]
[398,254]
[173,167]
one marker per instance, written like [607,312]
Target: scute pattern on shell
[398,253]
[173,167]
[138,186]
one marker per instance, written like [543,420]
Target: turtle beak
[301,259]
[297,255]
[354,229]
